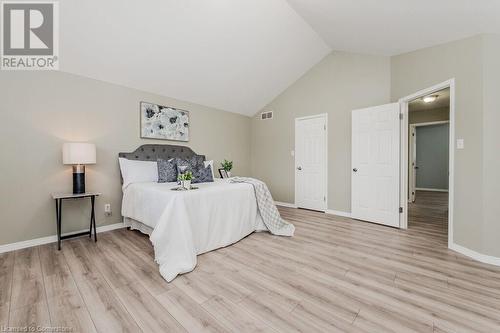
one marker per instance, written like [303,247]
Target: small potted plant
[227,166]
[185,179]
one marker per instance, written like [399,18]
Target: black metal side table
[59,197]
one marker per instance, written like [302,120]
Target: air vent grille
[266,115]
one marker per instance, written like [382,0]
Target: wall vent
[266,115]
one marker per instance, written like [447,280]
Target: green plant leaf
[227,165]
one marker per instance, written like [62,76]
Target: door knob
[355,169]
[299,168]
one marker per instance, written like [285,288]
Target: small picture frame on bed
[223,173]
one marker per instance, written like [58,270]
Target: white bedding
[188,223]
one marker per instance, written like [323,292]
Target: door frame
[404,153]
[412,154]
[321,115]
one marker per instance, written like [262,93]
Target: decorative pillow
[138,171]
[203,175]
[211,163]
[167,171]
[182,166]
[191,164]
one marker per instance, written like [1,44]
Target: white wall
[41,110]
[340,83]
[491,145]
[425,116]
[343,82]
[474,63]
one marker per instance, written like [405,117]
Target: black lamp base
[78,179]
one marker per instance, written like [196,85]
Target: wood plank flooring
[335,275]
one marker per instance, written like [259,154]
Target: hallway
[428,215]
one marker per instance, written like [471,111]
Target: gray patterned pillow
[192,164]
[167,171]
[203,175]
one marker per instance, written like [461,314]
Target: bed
[184,224]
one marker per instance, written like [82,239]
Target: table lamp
[79,155]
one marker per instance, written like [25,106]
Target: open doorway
[381,161]
[428,163]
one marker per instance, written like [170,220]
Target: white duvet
[188,223]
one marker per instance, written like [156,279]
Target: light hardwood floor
[335,275]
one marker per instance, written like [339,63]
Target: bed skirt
[136,225]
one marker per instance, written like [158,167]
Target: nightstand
[59,197]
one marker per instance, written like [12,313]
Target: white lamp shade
[79,153]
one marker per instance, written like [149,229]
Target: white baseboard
[53,239]
[431,189]
[328,211]
[284,204]
[338,213]
[475,255]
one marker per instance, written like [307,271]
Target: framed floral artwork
[164,122]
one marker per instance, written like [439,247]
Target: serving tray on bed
[183,189]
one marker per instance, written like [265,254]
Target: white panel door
[311,162]
[375,164]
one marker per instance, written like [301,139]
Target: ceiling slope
[391,27]
[234,55]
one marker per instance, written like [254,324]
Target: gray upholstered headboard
[153,152]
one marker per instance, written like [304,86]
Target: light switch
[292,153]
[460,143]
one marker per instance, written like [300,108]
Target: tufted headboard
[153,152]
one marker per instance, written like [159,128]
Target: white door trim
[404,153]
[431,189]
[430,123]
[412,151]
[325,116]
[321,115]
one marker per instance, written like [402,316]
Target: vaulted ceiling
[234,55]
[390,27]
[238,55]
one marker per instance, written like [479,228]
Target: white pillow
[211,163]
[138,171]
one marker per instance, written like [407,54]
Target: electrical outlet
[107,209]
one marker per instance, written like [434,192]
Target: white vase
[186,184]
[228,174]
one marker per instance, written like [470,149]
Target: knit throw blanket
[268,211]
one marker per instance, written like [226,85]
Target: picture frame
[163,122]
[223,174]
